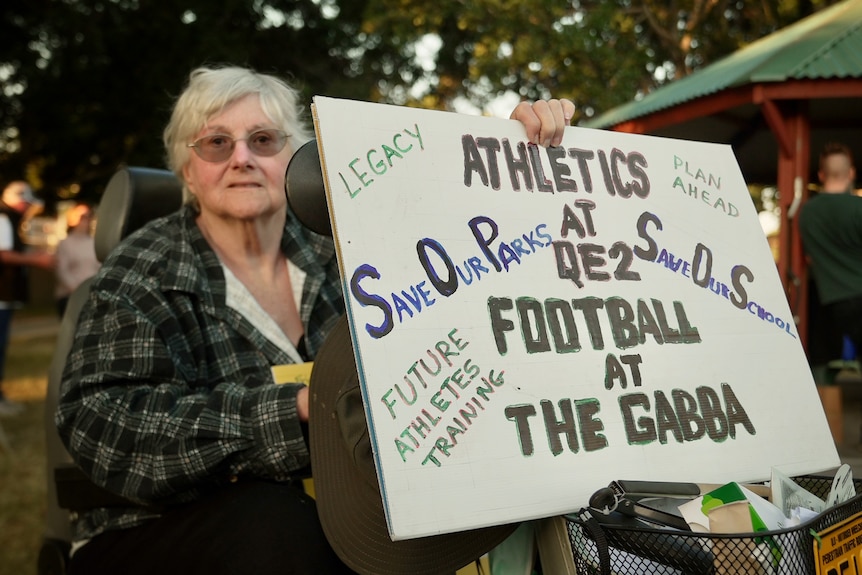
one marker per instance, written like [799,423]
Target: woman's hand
[302,403]
[545,120]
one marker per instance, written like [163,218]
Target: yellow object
[292,373]
[484,568]
[295,373]
[830,544]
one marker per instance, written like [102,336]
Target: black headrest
[133,197]
[306,195]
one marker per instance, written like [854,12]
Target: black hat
[346,486]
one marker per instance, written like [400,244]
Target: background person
[17,198]
[830,224]
[76,255]
[168,396]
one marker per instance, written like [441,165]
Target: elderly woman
[168,397]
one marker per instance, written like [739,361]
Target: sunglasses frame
[280,136]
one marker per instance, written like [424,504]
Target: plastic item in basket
[843,487]
[735,517]
[787,495]
[764,515]
[738,510]
[633,547]
[608,500]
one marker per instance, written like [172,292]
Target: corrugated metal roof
[827,44]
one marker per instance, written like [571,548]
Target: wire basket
[601,549]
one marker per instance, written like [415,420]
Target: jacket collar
[195,268]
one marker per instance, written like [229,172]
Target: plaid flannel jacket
[166,390]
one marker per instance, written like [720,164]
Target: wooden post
[830,397]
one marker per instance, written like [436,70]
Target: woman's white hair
[211,90]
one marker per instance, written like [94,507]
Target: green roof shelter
[776,102]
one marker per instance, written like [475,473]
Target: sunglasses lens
[267,142]
[216,148]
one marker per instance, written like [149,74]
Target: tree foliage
[86,85]
[599,53]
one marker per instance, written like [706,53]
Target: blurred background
[87,85]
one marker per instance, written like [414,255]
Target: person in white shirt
[17,198]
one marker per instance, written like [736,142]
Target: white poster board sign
[531,323]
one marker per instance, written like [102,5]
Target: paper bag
[736,556]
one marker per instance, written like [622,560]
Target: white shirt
[240,299]
[7,234]
[7,243]
[76,261]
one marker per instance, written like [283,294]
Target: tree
[88,84]
[599,53]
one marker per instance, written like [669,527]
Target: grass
[22,471]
